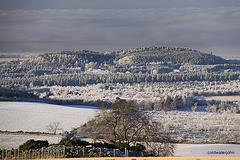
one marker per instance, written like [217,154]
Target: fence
[55,152]
[44,153]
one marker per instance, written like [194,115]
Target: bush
[73,142]
[104,145]
[32,144]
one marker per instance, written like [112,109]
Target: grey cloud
[121,28]
[112,4]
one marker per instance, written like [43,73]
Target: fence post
[36,154]
[100,151]
[53,153]
[33,154]
[22,154]
[60,152]
[64,151]
[2,154]
[57,153]
[83,152]
[47,153]
[6,154]
[125,152]
[14,154]
[41,153]
[18,154]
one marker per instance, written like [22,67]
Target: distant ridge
[174,55]
[137,56]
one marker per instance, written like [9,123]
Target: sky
[108,25]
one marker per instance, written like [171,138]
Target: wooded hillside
[144,64]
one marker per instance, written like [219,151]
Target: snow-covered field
[28,116]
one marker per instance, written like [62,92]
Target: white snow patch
[29,116]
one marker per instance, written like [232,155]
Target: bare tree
[124,124]
[53,127]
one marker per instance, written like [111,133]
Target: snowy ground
[207,150]
[26,116]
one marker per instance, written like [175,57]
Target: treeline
[179,102]
[15,93]
[81,79]
[210,68]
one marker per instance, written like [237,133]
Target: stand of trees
[15,93]
[82,79]
[123,124]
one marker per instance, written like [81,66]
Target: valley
[195,96]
